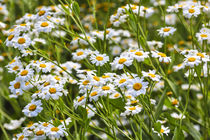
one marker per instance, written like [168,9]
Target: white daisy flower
[178,67]
[190,11]
[119,62]
[39,133]
[163,130]
[79,101]
[52,91]
[131,110]
[22,42]
[151,74]
[192,60]
[166,31]
[80,54]
[139,55]
[90,110]
[137,86]
[33,108]
[25,74]
[14,124]
[162,56]
[177,116]
[44,26]
[99,59]
[56,132]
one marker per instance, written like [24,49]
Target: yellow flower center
[32,107]
[24,73]
[80,53]
[139,53]
[161,130]
[96,78]
[57,78]
[43,65]
[94,93]
[204,35]
[162,54]
[151,75]
[45,124]
[15,68]
[21,137]
[122,60]
[137,86]
[39,133]
[191,11]
[122,81]
[175,102]
[17,85]
[21,40]
[132,108]
[200,54]
[85,82]
[81,98]
[134,102]
[166,29]
[106,88]
[55,129]
[116,95]
[52,90]
[46,84]
[41,13]
[44,24]
[191,59]
[99,58]
[10,37]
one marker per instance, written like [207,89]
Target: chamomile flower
[22,42]
[163,130]
[106,89]
[79,101]
[99,59]
[119,62]
[137,86]
[14,124]
[121,81]
[115,95]
[190,11]
[151,74]
[139,55]
[162,56]
[94,95]
[90,110]
[177,116]
[44,26]
[54,132]
[33,108]
[43,67]
[80,54]
[166,31]
[52,91]
[178,67]
[204,34]
[39,133]
[131,110]
[21,136]
[25,74]
[192,60]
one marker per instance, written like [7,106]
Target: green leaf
[160,104]
[75,7]
[193,132]
[178,134]
[157,126]
[117,103]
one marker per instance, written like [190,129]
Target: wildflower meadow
[104,69]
